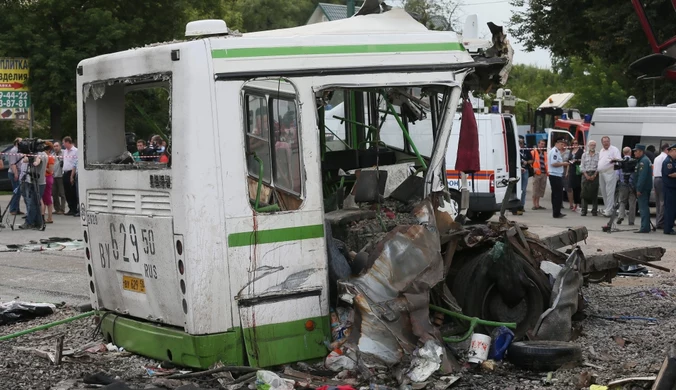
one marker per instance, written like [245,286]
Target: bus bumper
[164,343]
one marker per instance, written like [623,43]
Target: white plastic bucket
[479,347]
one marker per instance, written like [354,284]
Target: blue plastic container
[501,339]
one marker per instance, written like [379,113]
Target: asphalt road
[46,276]
[60,276]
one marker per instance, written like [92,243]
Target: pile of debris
[407,297]
[416,300]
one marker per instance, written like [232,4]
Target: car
[5,185]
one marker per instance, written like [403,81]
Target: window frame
[269,96]
[146,81]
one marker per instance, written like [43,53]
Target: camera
[31,146]
[626,165]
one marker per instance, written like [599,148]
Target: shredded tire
[543,355]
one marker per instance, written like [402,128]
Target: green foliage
[435,14]
[147,113]
[604,34]
[55,35]
[592,85]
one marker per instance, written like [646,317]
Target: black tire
[543,355]
[475,286]
[480,216]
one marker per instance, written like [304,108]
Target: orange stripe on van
[480,175]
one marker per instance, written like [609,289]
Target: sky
[499,12]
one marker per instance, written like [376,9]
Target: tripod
[16,196]
[33,192]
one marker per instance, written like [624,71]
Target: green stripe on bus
[342,49]
[275,235]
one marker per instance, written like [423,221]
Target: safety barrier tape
[62,157]
[548,149]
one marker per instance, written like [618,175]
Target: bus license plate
[131,283]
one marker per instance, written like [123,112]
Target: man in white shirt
[607,175]
[69,171]
[657,184]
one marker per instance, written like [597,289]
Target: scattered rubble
[21,369]
[419,301]
[49,244]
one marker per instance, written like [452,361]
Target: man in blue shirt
[643,181]
[556,169]
[669,185]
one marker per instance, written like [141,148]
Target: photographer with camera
[626,186]
[34,181]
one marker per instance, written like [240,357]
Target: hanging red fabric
[468,145]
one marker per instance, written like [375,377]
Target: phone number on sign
[14,103]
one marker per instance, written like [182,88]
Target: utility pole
[350,8]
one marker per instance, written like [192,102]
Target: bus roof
[390,38]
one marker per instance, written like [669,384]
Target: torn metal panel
[392,298]
[555,324]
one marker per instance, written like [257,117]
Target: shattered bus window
[128,123]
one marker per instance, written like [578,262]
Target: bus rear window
[127,123]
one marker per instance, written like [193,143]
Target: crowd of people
[46,181]
[622,178]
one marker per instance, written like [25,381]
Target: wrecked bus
[215,250]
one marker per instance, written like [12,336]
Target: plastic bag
[14,311]
[266,380]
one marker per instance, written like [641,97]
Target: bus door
[275,237]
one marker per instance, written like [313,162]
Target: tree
[594,86]
[260,15]
[605,31]
[435,14]
[55,35]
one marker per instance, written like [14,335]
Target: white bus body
[177,255]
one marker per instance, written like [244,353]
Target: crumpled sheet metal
[555,324]
[391,299]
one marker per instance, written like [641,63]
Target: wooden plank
[666,379]
[608,261]
[569,237]
[549,254]
[630,261]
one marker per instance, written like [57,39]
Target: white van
[500,160]
[628,126]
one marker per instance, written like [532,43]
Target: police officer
[644,184]
[669,185]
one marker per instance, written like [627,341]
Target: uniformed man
[669,185]
[643,178]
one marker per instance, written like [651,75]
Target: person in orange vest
[540,176]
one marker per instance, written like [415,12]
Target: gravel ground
[642,354]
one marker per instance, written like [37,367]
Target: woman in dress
[574,176]
[47,201]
